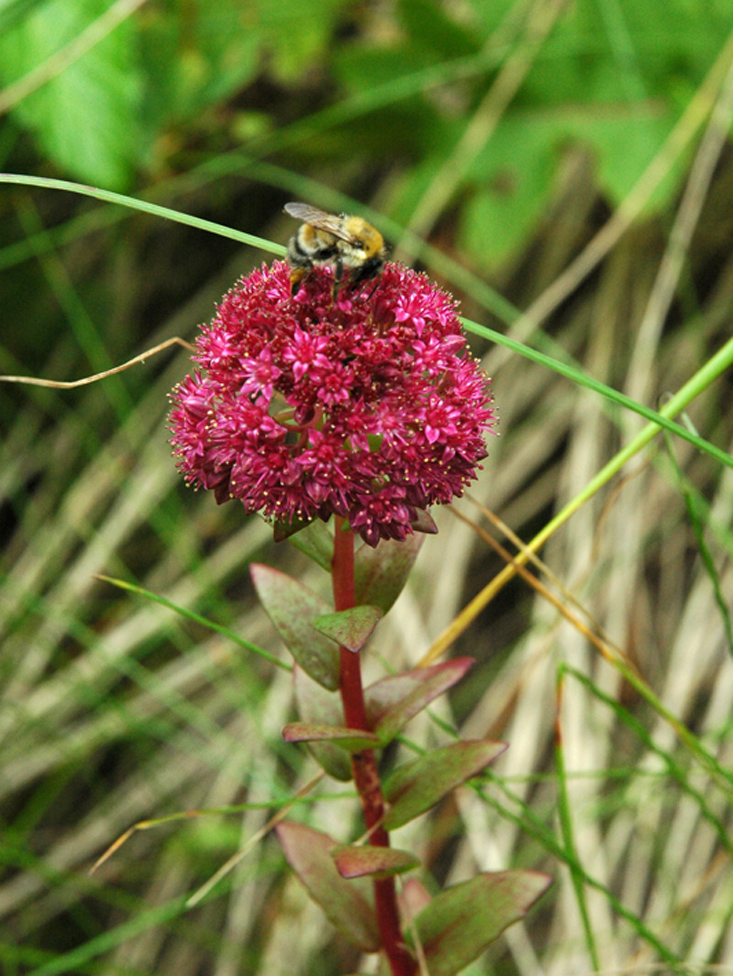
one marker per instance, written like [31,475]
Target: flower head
[308,407]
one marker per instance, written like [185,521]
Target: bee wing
[319,219]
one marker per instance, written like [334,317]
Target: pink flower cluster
[363,407]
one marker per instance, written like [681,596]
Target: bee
[347,244]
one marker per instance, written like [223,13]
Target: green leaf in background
[623,143]
[432,26]
[297,33]
[514,175]
[13,11]
[87,117]
[611,79]
[513,178]
[197,58]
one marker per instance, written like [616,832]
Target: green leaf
[316,541]
[87,117]
[380,574]
[417,786]
[463,920]
[348,739]
[349,628]
[624,145]
[292,608]
[316,706]
[515,174]
[198,59]
[12,11]
[430,24]
[286,530]
[375,862]
[296,33]
[347,904]
[393,701]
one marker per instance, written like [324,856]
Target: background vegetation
[571,160]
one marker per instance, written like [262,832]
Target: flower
[306,407]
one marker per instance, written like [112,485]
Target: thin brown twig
[86,380]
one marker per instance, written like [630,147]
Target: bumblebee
[349,245]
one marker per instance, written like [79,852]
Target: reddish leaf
[414,897]
[381,573]
[424,522]
[374,862]
[347,904]
[345,738]
[317,706]
[463,920]
[292,608]
[417,786]
[349,628]
[393,701]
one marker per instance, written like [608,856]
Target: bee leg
[376,285]
[338,276]
[296,277]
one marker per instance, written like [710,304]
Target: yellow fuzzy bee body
[350,245]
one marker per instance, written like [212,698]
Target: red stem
[364,764]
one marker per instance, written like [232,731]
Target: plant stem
[364,764]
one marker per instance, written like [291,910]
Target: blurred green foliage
[177,81]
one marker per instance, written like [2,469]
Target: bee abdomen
[303,253]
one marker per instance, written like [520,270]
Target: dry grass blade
[86,380]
